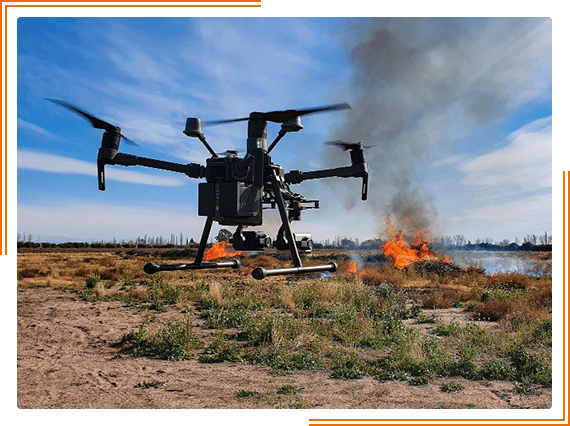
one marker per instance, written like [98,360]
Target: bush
[529,368]
[91,281]
[220,350]
[289,390]
[452,386]
[174,341]
[350,368]
[418,381]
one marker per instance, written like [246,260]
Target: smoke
[421,85]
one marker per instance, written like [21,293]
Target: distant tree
[458,240]
[531,239]
[224,235]
[347,243]
[544,239]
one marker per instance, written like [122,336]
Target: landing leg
[151,268]
[203,241]
[286,225]
[260,273]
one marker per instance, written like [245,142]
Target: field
[94,331]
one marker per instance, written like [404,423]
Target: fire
[404,254]
[219,250]
[353,268]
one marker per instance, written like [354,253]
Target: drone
[237,189]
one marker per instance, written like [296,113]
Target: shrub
[418,381]
[174,341]
[246,394]
[529,368]
[349,368]
[91,281]
[220,350]
[452,386]
[451,329]
[289,390]
[496,370]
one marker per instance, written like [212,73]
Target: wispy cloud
[30,127]
[523,165]
[453,159]
[58,164]
[515,213]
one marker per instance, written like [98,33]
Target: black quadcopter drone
[238,189]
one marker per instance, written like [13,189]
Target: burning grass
[361,321]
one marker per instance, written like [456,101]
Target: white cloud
[537,209]
[57,164]
[35,129]
[453,159]
[521,166]
[511,220]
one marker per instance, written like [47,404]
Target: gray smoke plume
[421,84]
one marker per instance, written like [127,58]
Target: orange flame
[353,268]
[404,254]
[219,250]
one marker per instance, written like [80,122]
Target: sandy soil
[66,359]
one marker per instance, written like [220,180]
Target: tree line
[531,242]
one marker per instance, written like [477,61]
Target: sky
[459,112]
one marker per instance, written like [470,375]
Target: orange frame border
[361,422]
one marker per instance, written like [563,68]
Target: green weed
[246,393]
[529,368]
[418,381]
[92,280]
[174,341]
[221,350]
[350,367]
[451,387]
[289,390]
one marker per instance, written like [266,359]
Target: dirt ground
[67,359]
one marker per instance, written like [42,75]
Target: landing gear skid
[258,273]
[151,268]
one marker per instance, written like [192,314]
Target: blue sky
[460,111]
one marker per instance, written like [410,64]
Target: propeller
[229,153]
[357,157]
[345,146]
[281,116]
[95,122]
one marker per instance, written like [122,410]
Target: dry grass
[71,269]
[493,297]
[530,306]
[346,322]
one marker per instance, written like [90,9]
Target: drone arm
[191,170]
[282,133]
[356,170]
[107,156]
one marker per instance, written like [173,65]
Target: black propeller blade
[345,146]
[281,116]
[229,153]
[95,122]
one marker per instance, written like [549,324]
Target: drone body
[237,190]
